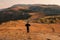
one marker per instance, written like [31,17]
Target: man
[27,26]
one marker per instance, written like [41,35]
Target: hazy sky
[8,3]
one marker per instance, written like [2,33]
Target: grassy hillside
[47,20]
[16,30]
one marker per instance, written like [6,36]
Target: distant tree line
[8,15]
[48,20]
[48,10]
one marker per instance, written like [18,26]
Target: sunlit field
[16,30]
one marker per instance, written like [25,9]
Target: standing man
[27,26]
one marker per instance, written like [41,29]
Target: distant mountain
[47,9]
[30,11]
[1,9]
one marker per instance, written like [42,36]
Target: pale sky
[8,3]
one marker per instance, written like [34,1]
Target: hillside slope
[16,30]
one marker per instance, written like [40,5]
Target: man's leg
[27,29]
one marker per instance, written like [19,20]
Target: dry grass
[16,30]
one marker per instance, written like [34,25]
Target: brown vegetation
[16,30]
